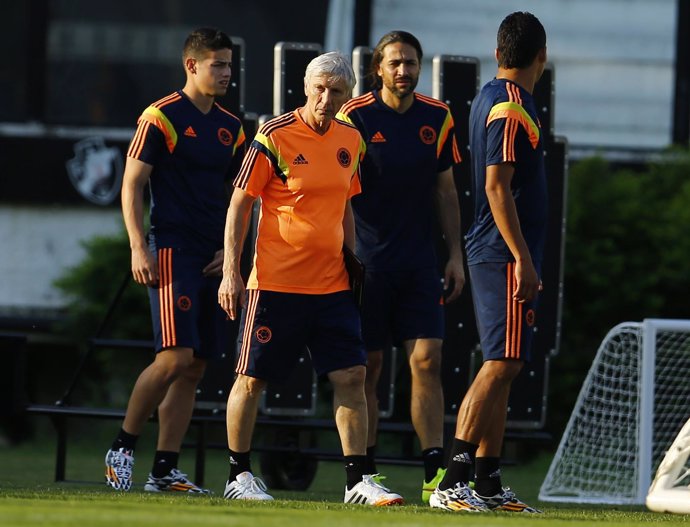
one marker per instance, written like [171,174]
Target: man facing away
[407,180]
[304,165]
[184,147]
[504,252]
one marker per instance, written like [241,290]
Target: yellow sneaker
[428,487]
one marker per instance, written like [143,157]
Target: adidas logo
[378,138]
[189,132]
[462,458]
[300,160]
[232,461]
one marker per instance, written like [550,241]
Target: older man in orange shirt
[304,165]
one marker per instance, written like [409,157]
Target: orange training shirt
[304,181]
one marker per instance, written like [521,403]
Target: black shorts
[506,327]
[276,327]
[400,306]
[184,306]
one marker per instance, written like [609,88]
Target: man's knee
[348,380]
[247,387]
[195,371]
[425,360]
[175,363]
[502,371]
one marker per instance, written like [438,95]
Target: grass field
[29,497]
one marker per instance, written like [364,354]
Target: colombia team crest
[529,317]
[344,157]
[224,136]
[427,134]
[184,303]
[263,334]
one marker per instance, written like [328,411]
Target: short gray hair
[333,64]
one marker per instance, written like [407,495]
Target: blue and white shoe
[118,468]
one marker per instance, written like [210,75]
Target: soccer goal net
[635,399]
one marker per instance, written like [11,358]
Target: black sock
[124,440]
[370,463]
[433,460]
[354,469]
[239,462]
[460,464]
[488,479]
[163,463]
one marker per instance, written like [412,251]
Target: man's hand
[144,268]
[455,274]
[528,284]
[231,293]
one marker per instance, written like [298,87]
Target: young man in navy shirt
[504,247]
[187,148]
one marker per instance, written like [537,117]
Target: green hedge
[627,258]
[90,288]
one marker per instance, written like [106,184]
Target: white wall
[39,243]
[613,59]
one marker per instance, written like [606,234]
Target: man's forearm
[506,218]
[449,217]
[236,225]
[133,215]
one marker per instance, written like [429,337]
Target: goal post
[635,398]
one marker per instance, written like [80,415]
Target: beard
[401,92]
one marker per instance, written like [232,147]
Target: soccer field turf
[29,497]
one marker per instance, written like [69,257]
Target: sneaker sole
[116,485]
[517,509]
[435,504]
[248,499]
[387,503]
[153,488]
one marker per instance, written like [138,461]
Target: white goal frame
[557,486]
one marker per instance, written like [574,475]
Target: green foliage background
[627,258]
[90,288]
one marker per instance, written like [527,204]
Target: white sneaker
[459,498]
[246,487]
[118,468]
[371,492]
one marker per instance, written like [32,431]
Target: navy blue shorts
[276,327]
[184,306]
[506,327]
[401,305]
